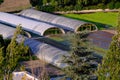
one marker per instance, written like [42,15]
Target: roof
[42,50]
[50,54]
[27,24]
[55,19]
[6,31]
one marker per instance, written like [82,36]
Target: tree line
[67,5]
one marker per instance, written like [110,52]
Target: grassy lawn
[100,18]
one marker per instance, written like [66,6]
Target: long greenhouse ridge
[36,27]
[51,54]
[69,23]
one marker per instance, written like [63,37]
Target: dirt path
[14,5]
[86,11]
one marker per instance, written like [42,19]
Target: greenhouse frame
[65,23]
[42,50]
[35,27]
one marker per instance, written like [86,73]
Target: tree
[79,59]
[1,41]
[110,67]
[1,1]
[34,2]
[13,53]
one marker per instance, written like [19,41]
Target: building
[35,27]
[42,50]
[65,23]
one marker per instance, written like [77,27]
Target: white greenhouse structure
[65,23]
[42,50]
[35,27]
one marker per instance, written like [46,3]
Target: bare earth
[102,38]
[14,5]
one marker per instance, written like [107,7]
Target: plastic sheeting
[6,31]
[27,24]
[59,20]
[46,52]
[43,51]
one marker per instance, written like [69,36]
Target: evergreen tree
[13,53]
[1,1]
[110,67]
[1,41]
[34,2]
[80,60]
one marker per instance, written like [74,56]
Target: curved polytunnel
[47,52]
[6,31]
[86,27]
[53,31]
[27,24]
[58,20]
[42,50]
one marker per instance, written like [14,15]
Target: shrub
[48,8]
[117,5]
[78,7]
[101,5]
[111,5]
[1,1]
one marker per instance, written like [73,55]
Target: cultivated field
[101,19]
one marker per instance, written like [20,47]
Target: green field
[101,19]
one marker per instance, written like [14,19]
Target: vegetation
[80,60]
[66,5]
[1,1]
[10,54]
[110,67]
[101,19]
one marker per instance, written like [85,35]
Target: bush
[34,2]
[68,8]
[110,5]
[101,5]
[48,8]
[117,5]
[78,7]
[1,1]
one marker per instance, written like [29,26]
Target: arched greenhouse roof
[55,19]
[6,31]
[27,24]
[47,52]
[42,50]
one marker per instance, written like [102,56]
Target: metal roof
[55,19]
[27,24]
[42,50]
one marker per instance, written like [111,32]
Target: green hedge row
[67,5]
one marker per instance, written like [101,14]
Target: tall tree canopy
[110,67]
[80,60]
[10,53]
[1,1]
[64,5]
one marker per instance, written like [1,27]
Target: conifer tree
[1,1]
[110,67]
[80,58]
[13,53]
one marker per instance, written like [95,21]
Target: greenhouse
[68,23]
[43,51]
[35,27]
[6,31]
